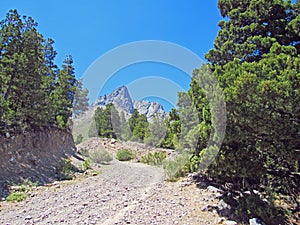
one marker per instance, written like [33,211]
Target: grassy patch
[16,196]
[175,168]
[100,156]
[125,155]
[65,170]
[155,158]
[19,192]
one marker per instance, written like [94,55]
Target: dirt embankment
[33,155]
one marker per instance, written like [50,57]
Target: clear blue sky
[88,29]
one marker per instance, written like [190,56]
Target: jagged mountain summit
[120,97]
[122,100]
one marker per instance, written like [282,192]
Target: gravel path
[124,193]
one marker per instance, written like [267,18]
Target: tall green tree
[256,61]
[33,92]
[63,94]
[107,122]
[81,101]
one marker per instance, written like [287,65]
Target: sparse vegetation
[65,170]
[125,155]
[79,139]
[100,156]
[19,192]
[86,165]
[175,168]
[155,158]
[16,196]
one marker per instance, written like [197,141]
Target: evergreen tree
[107,122]
[63,94]
[256,61]
[81,101]
[156,131]
[140,128]
[33,93]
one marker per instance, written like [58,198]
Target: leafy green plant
[125,155]
[16,196]
[100,156]
[86,165]
[18,192]
[175,168]
[79,139]
[65,170]
[155,158]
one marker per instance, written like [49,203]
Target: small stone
[214,189]
[220,221]
[256,221]
[230,222]
[28,217]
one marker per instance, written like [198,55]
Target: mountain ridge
[122,100]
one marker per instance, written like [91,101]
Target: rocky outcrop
[122,100]
[149,108]
[33,155]
[120,97]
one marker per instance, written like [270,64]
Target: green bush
[154,159]
[100,156]
[125,155]
[84,152]
[16,196]
[65,170]
[86,165]
[175,168]
[19,191]
[79,139]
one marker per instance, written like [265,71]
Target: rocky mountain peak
[120,97]
[122,100]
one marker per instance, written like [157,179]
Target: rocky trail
[123,193]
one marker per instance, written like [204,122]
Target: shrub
[84,152]
[86,165]
[100,156]
[125,155]
[16,196]
[79,139]
[154,159]
[19,191]
[65,170]
[175,168]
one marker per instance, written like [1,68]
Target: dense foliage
[108,122]
[256,60]
[34,92]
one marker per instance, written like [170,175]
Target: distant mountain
[149,108]
[120,97]
[122,100]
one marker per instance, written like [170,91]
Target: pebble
[28,217]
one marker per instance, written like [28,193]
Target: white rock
[256,221]
[214,189]
[230,222]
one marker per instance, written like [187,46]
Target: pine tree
[256,61]
[81,101]
[63,94]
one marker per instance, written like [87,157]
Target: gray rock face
[122,100]
[120,97]
[149,108]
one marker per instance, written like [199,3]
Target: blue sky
[88,29]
